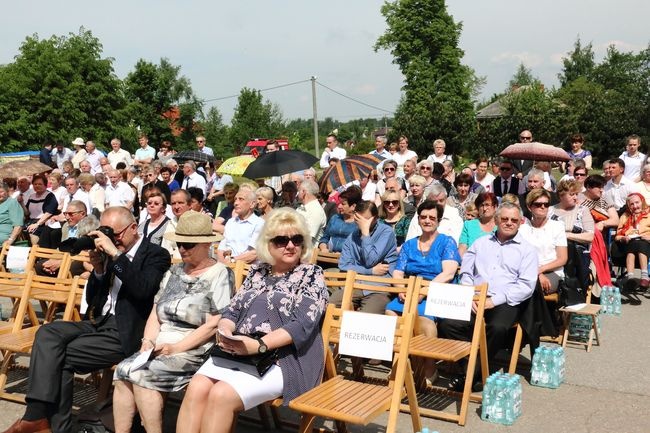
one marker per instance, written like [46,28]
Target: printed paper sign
[450,301]
[367,335]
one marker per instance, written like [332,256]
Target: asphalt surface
[606,390]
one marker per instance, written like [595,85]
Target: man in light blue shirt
[509,264]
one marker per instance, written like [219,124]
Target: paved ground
[607,390]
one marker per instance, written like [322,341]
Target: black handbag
[571,292]
[255,365]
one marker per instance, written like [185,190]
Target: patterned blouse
[294,302]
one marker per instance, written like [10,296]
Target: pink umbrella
[535,152]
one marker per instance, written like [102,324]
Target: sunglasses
[525,138]
[505,168]
[424,167]
[512,220]
[391,202]
[186,245]
[389,169]
[428,217]
[283,241]
[540,204]
[579,174]
[71,213]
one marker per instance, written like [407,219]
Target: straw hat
[79,141]
[193,227]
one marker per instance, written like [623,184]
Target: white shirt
[120,156]
[207,150]
[93,158]
[633,165]
[194,180]
[119,195]
[337,152]
[145,152]
[545,239]
[442,158]
[486,182]
[80,195]
[240,235]
[316,219]
[401,159]
[59,158]
[221,181]
[450,225]
[617,193]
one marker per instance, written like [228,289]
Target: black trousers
[62,349]
[498,322]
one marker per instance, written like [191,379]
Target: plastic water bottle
[535,372]
[558,367]
[544,367]
[499,401]
[617,301]
[508,402]
[516,396]
[487,401]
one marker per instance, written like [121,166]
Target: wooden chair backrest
[394,286]
[3,256]
[67,291]
[335,280]
[322,257]
[47,253]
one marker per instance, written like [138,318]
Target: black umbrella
[193,155]
[279,163]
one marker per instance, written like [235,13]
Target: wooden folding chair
[350,401]
[16,283]
[20,340]
[325,260]
[451,351]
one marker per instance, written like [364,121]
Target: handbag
[255,365]
[571,292]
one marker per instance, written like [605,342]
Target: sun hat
[193,227]
[79,141]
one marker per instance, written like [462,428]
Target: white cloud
[529,59]
[556,58]
[620,45]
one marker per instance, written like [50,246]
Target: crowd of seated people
[412,215]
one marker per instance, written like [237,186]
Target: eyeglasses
[522,138]
[153,203]
[283,241]
[200,141]
[424,167]
[506,220]
[579,174]
[72,212]
[389,169]
[428,217]
[121,232]
[151,174]
[391,202]
[186,245]
[505,168]
[487,204]
[540,204]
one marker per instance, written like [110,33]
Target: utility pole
[313,99]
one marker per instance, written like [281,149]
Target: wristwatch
[263,347]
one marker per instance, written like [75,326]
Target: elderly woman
[180,329]
[11,216]
[548,237]
[603,213]
[154,226]
[578,222]
[391,213]
[284,298]
[264,205]
[39,208]
[417,184]
[463,195]
[633,236]
[486,203]
[433,256]
[389,169]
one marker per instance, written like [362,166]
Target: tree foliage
[523,77]
[57,89]
[423,39]
[215,132]
[254,118]
[580,63]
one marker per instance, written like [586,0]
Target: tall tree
[57,89]
[253,119]
[523,77]
[161,102]
[423,39]
[580,63]
[216,132]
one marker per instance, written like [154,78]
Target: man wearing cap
[127,272]
[241,231]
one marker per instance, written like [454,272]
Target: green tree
[57,89]
[254,118]
[580,63]
[161,102]
[423,39]
[523,77]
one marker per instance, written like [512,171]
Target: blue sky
[224,46]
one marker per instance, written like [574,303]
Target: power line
[353,99]
[261,90]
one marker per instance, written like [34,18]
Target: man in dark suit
[523,166]
[126,276]
[506,183]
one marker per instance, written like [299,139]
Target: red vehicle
[255,146]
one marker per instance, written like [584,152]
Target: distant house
[381,132]
[497,108]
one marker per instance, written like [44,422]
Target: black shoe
[457,383]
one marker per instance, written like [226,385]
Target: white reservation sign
[451,301]
[367,335]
